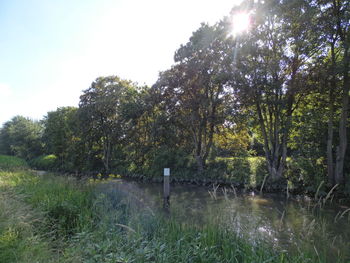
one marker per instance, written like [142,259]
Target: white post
[166,187]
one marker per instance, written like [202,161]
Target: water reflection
[286,224]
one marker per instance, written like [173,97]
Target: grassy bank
[47,218]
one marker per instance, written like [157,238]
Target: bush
[44,162]
[258,170]
[238,169]
[12,163]
[306,173]
[248,171]
[175,159]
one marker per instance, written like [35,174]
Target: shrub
[177,160]
[44,162]
[249,171]
[12,163]
[238,169]
[258,170]
[306,173]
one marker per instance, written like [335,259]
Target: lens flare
[240,23]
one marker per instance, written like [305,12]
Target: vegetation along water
[55,218]
[258,119]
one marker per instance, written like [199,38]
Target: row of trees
[279,90]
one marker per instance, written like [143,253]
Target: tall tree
[334,24]
[61,136]
[341,11]
[195,89]
[21,137]
[100,114]
[271,70]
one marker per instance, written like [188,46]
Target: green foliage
[21,137]
[231,142]
[12,163]
[239,169]
[192,93]
[175,159]
[44,162]
[278,90]
[275,88]
[269,92]
[307,173]
[101,110]
[243,171]
[62,137]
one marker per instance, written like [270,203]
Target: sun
[240,23]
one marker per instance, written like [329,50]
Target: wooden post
[166,188]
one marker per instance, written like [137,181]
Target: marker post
[166,188]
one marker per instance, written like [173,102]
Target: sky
[50,50]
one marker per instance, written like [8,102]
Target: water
[287,224]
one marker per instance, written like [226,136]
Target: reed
[340,215]
[225,193]
[234,190]
[213,193]
[263,183]
[318,189]
[329,194]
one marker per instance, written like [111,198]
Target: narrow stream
[285,224]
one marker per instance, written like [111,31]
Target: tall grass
[20,240]
[65,202]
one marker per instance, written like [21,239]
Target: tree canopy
[277,92]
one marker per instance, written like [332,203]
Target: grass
[19,238]
[49,218]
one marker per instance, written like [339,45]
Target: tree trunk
[200,164]
[272,158]
[330,162]
[333,86]
[106,153]
[343,33]
[341,149]
[273,170]
[211,133]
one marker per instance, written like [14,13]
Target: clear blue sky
[51,50]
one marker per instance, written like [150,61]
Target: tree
[61,136]
[271,69]
[100,112]
[341,11]
[333,67]
[195,91]
[21,137]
